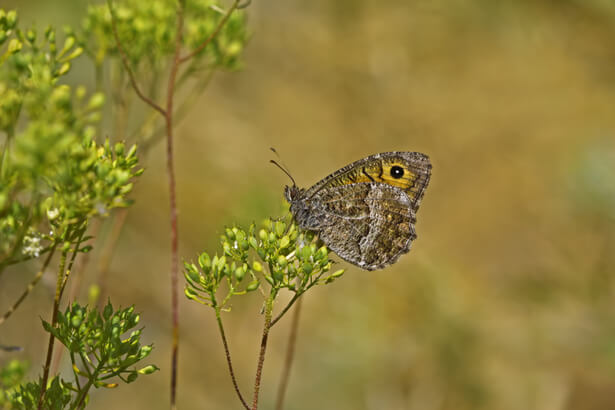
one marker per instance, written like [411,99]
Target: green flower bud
[190,293]
[239,274]
[305,253]
[280,227]
[205,262]
[14,46]
[148,369]
[65,68]
[31,36]
[262,234]
[11,19]
[285,241]
[230,234]
[227,248]
[278,276]
[322,253]
[95,103]
[261,253]
[253,286]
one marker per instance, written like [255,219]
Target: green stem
[84,392]
[54,318]
[31,285]
[23,258]
[60,285]
[290,353]
[261,356]
[287,307]
[5,150]
[72,360]
[228,357]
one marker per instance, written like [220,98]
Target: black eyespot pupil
[397,171]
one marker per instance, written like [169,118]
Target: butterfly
[365,212]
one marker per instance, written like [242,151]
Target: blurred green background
[507,299]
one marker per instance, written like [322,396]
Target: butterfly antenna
[284,167]
[284,170]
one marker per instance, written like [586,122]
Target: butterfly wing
[408,171]
[368,224]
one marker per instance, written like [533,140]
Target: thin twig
[23,258]
[290,352]
[54,317]
[288,306]
[173,202]
[178,115]
[77,273]
[126,64]
[228,359]
[261,356]
[213,35]
[60,285]
[31,285]
[106,254]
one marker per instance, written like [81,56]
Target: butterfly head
[291,193]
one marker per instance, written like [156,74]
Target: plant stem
[5,150]
[126,64]
[84,392]
[228,358]
[167,113]
[54,317]
[31,285]
[173,201]
[119,220]
[213,35]
[63,274]
[290,352]
[288,306]
[261,356]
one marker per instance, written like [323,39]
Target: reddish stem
[290,353]
[173,203]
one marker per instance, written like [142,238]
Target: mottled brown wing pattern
[365,212]
[367,224]
[414,178]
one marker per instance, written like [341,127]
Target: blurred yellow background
[507,299]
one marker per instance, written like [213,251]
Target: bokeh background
[507,300]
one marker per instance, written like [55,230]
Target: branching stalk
[213,35]
[290,352]
[31,285]
[63,274]
[126,64]
[173,202]
[261,356]
[167,113]
[54,317]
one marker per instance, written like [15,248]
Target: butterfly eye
[397,171]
